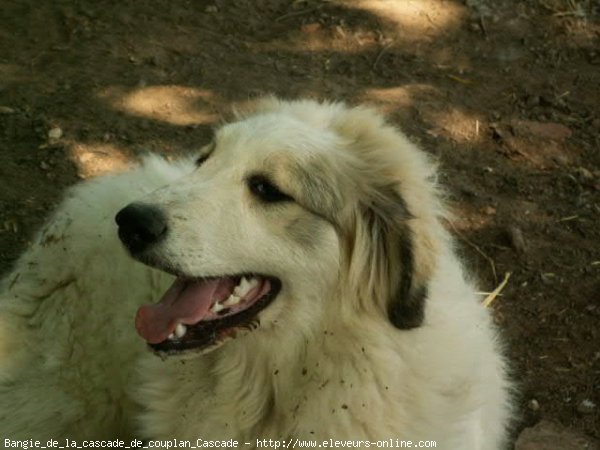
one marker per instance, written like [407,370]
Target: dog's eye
[265,190]
[201,160]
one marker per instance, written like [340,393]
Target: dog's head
[296,212]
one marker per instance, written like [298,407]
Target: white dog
[315,295]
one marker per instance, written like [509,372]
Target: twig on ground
[380,54]
[490,298]
[567,219]
[483,26]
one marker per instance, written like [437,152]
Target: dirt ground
[504,93]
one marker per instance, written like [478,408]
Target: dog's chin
[199,314]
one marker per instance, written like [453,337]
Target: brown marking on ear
[394,237]
[406,307]
[388,219]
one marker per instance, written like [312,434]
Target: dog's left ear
[397,233]
[395,251]
[406,305]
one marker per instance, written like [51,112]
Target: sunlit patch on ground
[417,20]
[456,124]
[92,160]
[176,105]
[444,122]
[466,219]
[405,22]
[399,97]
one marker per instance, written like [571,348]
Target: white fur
[326,361]
[67,341]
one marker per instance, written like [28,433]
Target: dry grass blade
[380,54]
[492,296]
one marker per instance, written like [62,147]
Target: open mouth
[201,313]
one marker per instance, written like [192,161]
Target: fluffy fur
[67,341]
[376,333]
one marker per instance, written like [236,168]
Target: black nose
[140,226]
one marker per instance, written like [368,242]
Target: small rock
[517,241]
[532,100]
[549,436]
[211,9]
[584,173]
[586,407]
[489,210]
[44,165]
[533,404]
[55,133]
[475,27]
[6,110]
[548,279]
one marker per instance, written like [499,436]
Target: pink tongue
[185,302]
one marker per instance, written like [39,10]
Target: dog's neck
[275,382]
[271,384]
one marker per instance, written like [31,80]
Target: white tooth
[171,337]
[242,288]
[253,283]
[180,330]
[232,300]
[217,307]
